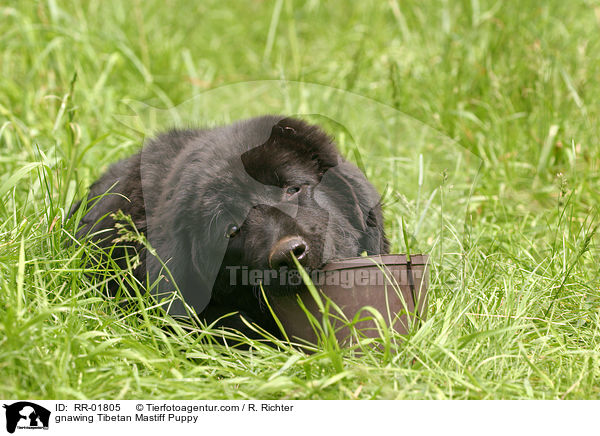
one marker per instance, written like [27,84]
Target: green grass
[515,287]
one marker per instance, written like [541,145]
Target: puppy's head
[273,188]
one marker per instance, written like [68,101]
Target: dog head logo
[26,415]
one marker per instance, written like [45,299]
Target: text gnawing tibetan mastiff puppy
[223,209]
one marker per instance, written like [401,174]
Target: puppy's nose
[281,252]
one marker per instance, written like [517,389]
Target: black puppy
[222,207]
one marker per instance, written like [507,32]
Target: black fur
[186,187]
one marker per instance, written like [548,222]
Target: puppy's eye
[292,190]
[232,231]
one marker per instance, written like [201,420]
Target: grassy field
[515,288]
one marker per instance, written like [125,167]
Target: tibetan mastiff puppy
[224,211]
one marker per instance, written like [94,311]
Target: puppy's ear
[174,233]
[291,140]
[309,139]
[188,268]
[375,222]
[359,202]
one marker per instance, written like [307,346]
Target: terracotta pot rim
[372,261]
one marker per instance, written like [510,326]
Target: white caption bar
[27,417]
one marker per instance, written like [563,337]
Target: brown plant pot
[387,283]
